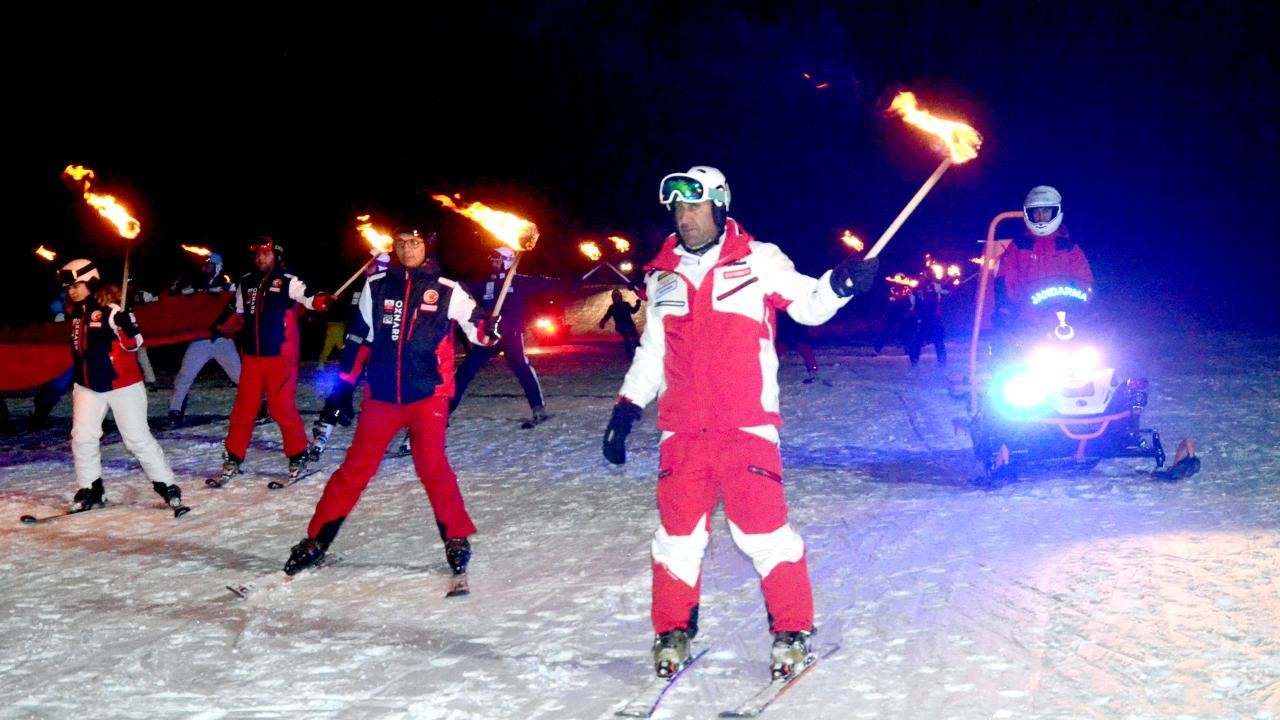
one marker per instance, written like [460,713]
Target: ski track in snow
[1071,593]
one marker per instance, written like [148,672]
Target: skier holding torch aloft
[707,357]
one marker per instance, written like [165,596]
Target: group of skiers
[707,359]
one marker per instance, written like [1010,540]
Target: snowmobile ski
[758,702]
[645,703]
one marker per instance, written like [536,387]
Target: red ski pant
[695,471]
[378,425]
[276,378]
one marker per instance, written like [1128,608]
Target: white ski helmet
[1042,196]
[79,270]
[699,184]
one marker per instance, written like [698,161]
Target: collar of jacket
[426,271]
[735,247]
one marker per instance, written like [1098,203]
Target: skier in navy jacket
[406,319]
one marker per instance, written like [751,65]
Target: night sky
[1155,120]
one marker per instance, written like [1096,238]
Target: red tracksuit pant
[378,425]
[695,470]
[277,379]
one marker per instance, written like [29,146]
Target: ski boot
[297,471]
[89,498]
[172,495]
[539,416]
[305,554]
[230,469]
[458,552]
[670,652]
[173,421]
[790,653]
[405,447]
[319,439]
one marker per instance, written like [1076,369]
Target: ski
[645,703]
[761,699]
[534,422]
[281,484]
[36,520]
[273,580]
[458,586]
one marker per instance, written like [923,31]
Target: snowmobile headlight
[1086,358]
[1023,391]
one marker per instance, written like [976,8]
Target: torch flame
[900,279]
[853,241]
[197,250]
[380,241]
[106,205]
[620,244]
[591,250]
[962,141]
[511,230]
[46,253]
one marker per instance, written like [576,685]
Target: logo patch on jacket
[431,297]
[737,273]
[277,283]
[96,315]
[666,287]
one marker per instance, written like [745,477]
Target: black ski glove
[853,276]
[625,413]
[126,323]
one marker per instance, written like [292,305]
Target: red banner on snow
[33,355]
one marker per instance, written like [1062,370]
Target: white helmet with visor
[1042,210]
[699,184]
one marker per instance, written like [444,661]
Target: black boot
[458,552]
[89,498]
[172,495]
[304,555]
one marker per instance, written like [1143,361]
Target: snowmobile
[1053,394]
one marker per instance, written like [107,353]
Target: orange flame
[626,266]
[197,250]
[900,279]
[380,241]
[106,205]
[620,244]
[591,250]
[853,241]
[962,141]
[511,230]
[46,253]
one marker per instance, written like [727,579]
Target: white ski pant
[198,354]
[129,406]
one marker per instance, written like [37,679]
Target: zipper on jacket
[731,291]
[767,473]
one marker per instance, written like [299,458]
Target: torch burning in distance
[511,230]
[592,252]
[379,242]
[79,177]
[961,142]
[46,254]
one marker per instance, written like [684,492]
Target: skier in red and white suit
[707,355]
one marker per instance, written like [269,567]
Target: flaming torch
[197,250]
[592,252]
[962,143]
[109,208]
[46,254]
[513,231]
[379,243]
